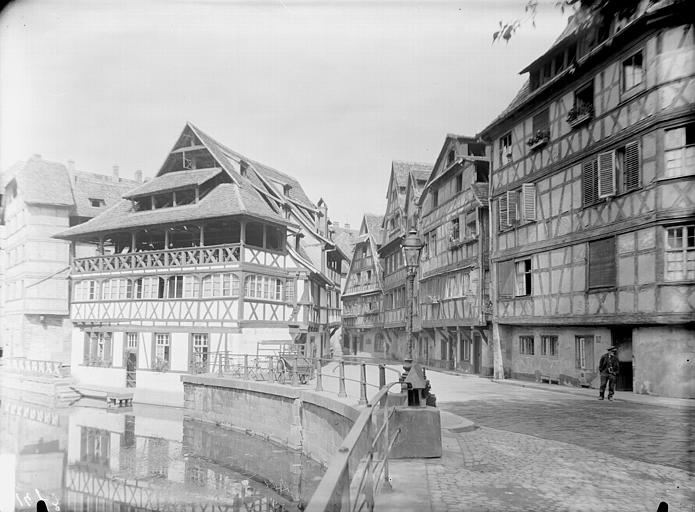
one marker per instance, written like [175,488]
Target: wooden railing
[190,256]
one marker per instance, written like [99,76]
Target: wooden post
[201,227]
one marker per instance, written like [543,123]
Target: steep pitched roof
[373,223]
[345,239]
[87,186]
[173,181]
[401,169]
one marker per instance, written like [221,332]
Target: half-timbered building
[217,253]
[453,291]
[594,203]
[398,219]
[362,295]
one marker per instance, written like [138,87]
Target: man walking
[609,367]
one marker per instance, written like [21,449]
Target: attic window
[243,168]
[450,157]
[286,190]
[97,203]
[476,149]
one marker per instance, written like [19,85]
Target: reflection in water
[87,458]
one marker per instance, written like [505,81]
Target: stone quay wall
[296,418]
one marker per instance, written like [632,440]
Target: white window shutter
[512,205]
[528,194]
[503,207]
[606,174]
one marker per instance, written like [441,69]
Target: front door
[622,338]
[131,366]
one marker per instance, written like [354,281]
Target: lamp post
[411,246]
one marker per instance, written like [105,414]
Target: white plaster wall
[664,361]
[179,351]
[144,349]
[98,376]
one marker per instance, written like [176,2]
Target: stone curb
[455,423]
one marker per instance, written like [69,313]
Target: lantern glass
[411,249]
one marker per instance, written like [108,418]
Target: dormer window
[243,168]
[97,203]
[286,190]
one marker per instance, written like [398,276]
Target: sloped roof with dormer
[174,181]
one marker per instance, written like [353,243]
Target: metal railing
[296,369]
[360,469]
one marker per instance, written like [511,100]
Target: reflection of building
[593,203]
[155,460]
[405,183]
[362,295]
[217,253]
[40,199]
[454,260]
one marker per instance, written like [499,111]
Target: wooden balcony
[364,321]
[190,257]
[362,288]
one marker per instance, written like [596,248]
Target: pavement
[530,446]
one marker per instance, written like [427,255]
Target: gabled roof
[401,169]
[439,165]
[173,181]
[371,225]
[345,239]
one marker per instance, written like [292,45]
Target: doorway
[131,358]
[622,338]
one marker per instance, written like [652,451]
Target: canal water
[86,457]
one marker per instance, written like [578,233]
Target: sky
[327,91]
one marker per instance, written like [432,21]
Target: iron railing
[360,468]
[296,369]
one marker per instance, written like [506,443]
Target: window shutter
[589,182]
[512,211]
[602,263]
[606,174]
[528,194]
[503,208]
[632,166]
[505,278]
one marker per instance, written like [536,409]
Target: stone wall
[664,361]
[292,417]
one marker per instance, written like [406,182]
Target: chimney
[138,175]
[115,173]
[323,226]
[71,165]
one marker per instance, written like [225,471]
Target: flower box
[579,115]
[539,140]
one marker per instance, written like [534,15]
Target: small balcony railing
[190,256]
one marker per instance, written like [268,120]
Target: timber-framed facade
[454,281]
[593,204]
[218,253]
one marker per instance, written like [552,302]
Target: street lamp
[416,384]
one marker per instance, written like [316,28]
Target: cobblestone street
[544,450]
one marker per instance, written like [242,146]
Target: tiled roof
[43,182]
[174,180]
[345,239]
[87,185]
[374,226]
[224,200]
[225,156]
[481,192]
[401,169]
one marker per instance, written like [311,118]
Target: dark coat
[609,365]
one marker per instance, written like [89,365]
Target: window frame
[584,352]
[683,149]
[624,89]
[550,345]
[163,340]
[505,141]
[686,252]
[527,345]
[592,262]
[527,280]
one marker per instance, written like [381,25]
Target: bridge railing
[360,468]
[36,367]
[295,369]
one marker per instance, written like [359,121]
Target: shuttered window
[503,208]
[606,174]
[505,278]
[528,201]
[589,182]
[631,176]
[512,207]
[602,263]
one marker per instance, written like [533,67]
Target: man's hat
[612,349]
